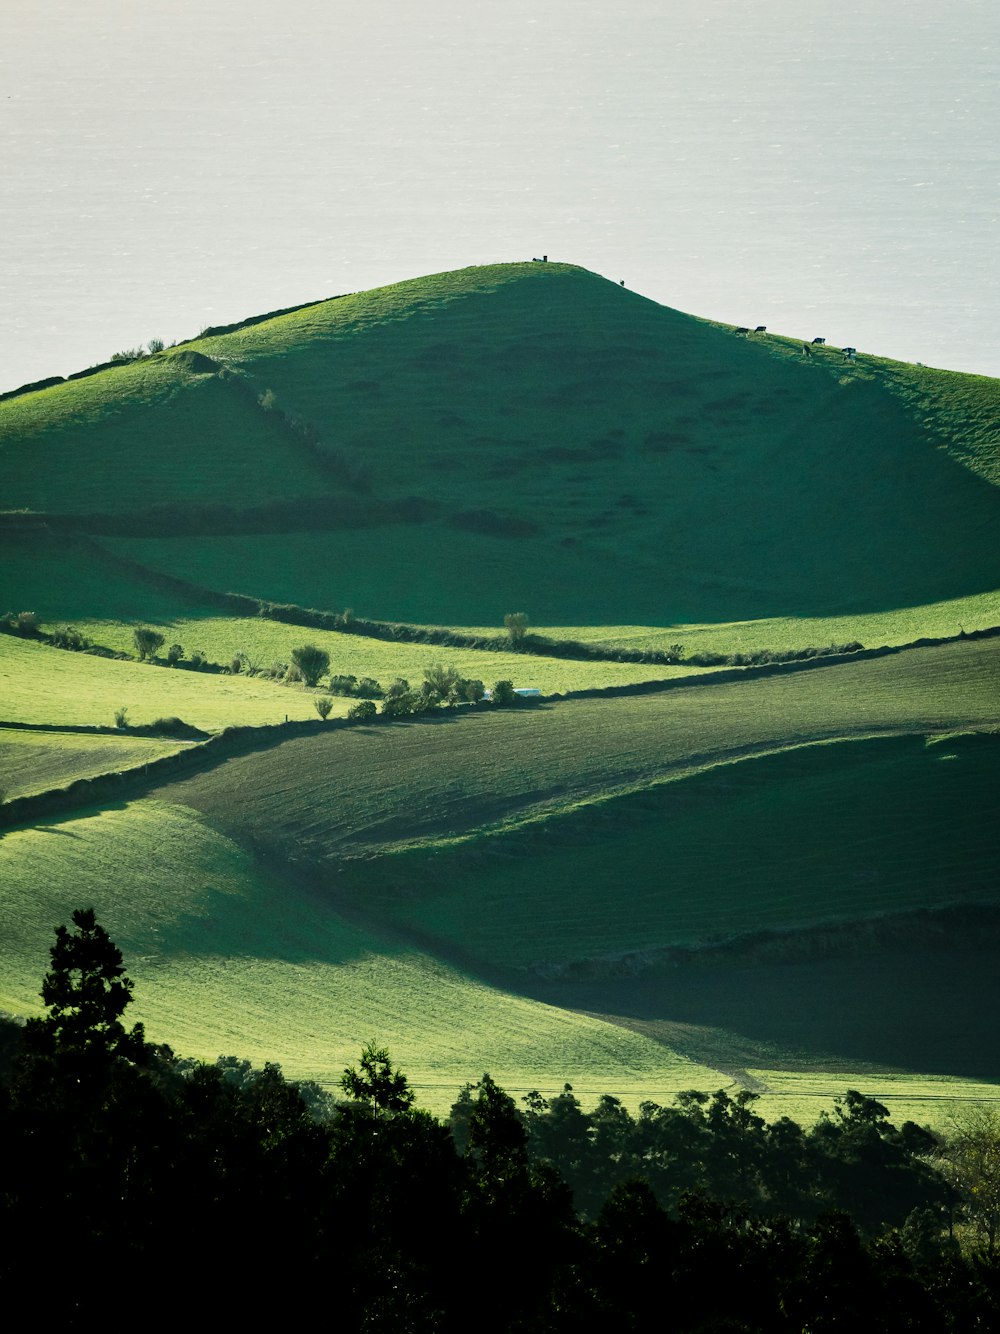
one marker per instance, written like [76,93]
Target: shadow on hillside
[933,1011]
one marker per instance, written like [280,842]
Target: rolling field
[40,684]
[365,789]
[815,836]
[228,957]
[577,450]
[784,882]
[35,761]
[903,625]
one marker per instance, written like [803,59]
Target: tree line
[130,1176]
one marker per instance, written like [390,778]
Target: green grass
[819,835]
[904,625]
[63,578]
[36,761]
[39,684]
[265,641]
[366,789]
[228,957]
[155,432]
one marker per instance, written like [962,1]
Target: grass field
[819,835]
[902,625]
[34,761]
[228,957]
[39,684]
[526,437]
[366,789]
[265,642]
[155,432]
[62,578]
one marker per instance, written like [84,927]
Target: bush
[171,726]
[198,659]
[368,688]
[517,625]
[473,690]
[69,637]
[174,654]
[362,712]
[121,718]
[311,662]
[323,704]
[26,623]
[503,693]
[403,703]
[343,685]
[155,345]
[146,642]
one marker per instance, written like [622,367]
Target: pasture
[814,837]
[770,882]
[41,684]
[370,789]
[37,760]
[264,642]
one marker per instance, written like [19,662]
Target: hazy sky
[822,168]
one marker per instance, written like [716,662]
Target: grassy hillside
[562,435]
[228,957]
[157,432]
[264,641]
[35,761]
[819,835]
[39,684]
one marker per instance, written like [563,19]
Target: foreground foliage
[191,1168]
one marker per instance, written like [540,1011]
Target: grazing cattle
[849,352]
[818,342]
[761,328]
[806,350]
[741,332]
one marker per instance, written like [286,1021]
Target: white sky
[822,168]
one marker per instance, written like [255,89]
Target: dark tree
[86,992]
[377,1083]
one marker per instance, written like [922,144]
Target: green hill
[539,418]
[780,876]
